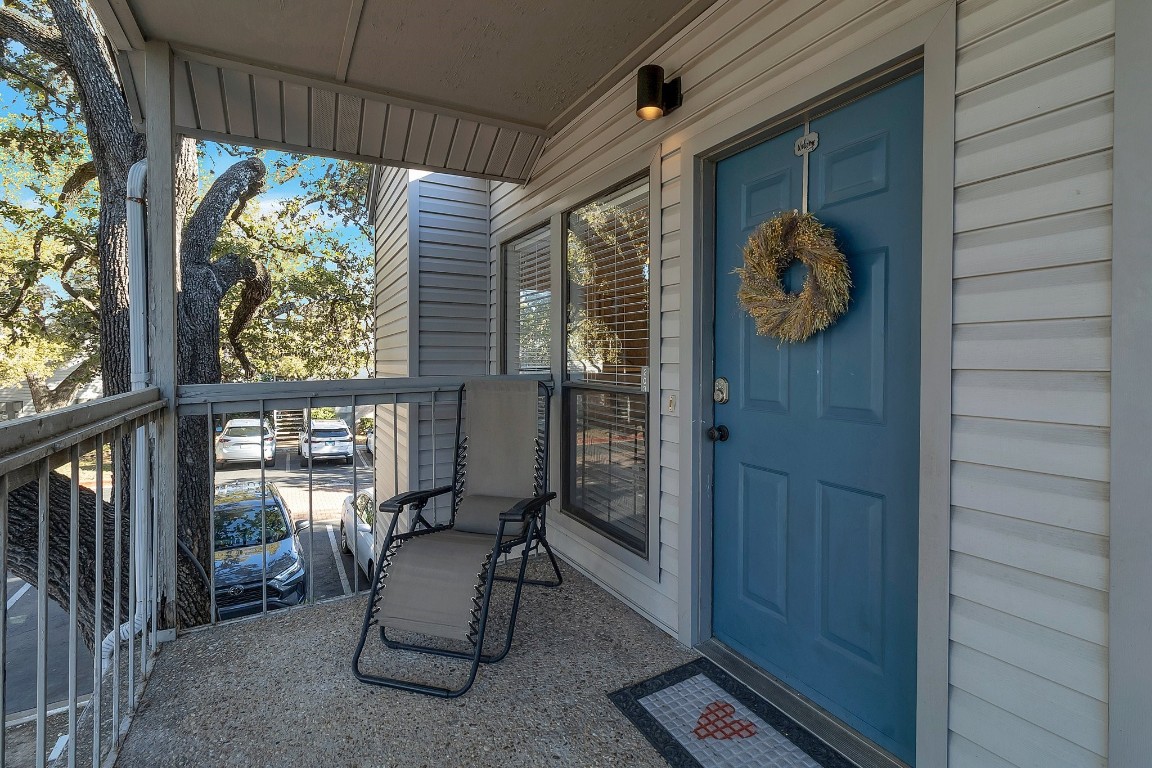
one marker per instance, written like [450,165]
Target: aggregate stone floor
[279,691]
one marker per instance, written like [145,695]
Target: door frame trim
[930,37]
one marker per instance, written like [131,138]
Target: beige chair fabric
[502,423]
[431,584]
[432,580]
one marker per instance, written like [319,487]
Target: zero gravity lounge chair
[437,580]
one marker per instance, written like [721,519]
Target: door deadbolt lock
[720,390]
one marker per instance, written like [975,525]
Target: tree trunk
[203,285]
[78,47]
[24,547]
[45,398]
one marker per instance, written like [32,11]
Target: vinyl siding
[432,315]
[452,291]
[1031,358]
[1031,337]
[732,55]
[391,232]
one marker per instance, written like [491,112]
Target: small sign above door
[807,143]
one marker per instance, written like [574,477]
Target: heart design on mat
[718,721]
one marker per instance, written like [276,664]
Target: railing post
[163,279]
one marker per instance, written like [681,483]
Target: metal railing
[79,543]
[77,526]
[414,434]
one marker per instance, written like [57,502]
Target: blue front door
[815,496]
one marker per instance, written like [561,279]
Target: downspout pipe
[138,359]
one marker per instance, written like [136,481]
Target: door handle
[718,433]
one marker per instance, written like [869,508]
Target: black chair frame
[528,514]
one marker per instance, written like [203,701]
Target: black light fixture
[654,97]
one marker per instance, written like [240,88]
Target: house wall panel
[1069,397]
[1074,503]
[1069,608]
[1031,353]
[1017,741]
[1080,719]
[1077,76]
[1075,238]
[1031,341]
[390,206]
[1047,653]
[730,57]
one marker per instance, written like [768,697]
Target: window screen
[606,342]
[528,302]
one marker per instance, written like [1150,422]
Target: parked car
[370,440]
[357,520]
[240,441]
[239,568]
[327,439]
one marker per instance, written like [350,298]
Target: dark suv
[241,541]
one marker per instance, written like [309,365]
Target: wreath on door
[793,317]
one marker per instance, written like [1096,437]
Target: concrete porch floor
[279,691]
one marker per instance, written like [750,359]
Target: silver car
[240,441]
[327,439]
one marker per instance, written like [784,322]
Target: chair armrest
[395,503]
[525,507]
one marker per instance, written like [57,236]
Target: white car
[370,440]
[240,441]
[327,439]
[357,519]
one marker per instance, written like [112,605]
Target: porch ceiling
[470,88]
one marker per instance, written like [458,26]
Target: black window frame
[571,389]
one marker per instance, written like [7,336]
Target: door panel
[816,490]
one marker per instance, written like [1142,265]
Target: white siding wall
[390,219]
[449,220]
[432,314]
[734,54]
[1031,384]
[1031,349]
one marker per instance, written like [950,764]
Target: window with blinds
[606,342]
[528,302]
[606,263]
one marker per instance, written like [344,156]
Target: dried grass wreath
[793,317]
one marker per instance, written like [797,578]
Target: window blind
[528,302]
[607,266]
[606,342]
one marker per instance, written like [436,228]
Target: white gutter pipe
[138,357]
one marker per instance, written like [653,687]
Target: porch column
[1130,526]
[163,278]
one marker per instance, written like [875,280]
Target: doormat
[699,716]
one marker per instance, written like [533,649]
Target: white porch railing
[70,475]
[54,468]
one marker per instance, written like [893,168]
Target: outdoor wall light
[654,97]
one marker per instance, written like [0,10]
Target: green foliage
[318,321]
[323,412]
[48,267]
[316,245]
[365,424]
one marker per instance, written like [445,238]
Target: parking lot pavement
[331,481]
[20,670]
[333,573]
